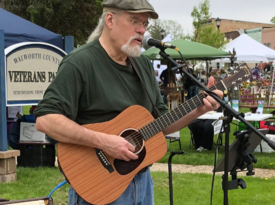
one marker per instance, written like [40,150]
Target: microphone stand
[229,112]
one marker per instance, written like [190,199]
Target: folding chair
[192,141]
[173,137]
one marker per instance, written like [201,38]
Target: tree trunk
[2,3]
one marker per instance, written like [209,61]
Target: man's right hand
[118,147]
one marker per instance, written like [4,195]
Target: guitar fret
[187,108]
[193,103]
[173,115]
[178,113]
[160,128]
[200,98]
[147,133]
[154,127]
[184,109]
[149,130]
[159,119]
[142,133]
[164,121]
[197,101]
[167,118]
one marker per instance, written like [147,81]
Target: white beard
[132,51]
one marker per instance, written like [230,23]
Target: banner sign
[30,68]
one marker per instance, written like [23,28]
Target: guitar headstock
[239,75]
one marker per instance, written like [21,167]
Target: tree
[2,4]
[273,19]
[77,18]
[170,27]
[200,15]
[204,30]
[154,30]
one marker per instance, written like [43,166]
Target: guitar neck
[172,116]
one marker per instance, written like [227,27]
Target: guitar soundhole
[136,139]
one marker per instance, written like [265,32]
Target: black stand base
[173,153]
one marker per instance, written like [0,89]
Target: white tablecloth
[250,117]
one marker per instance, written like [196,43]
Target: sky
[260,11]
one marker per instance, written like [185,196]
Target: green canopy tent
[190,50]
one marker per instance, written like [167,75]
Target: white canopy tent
[249,50]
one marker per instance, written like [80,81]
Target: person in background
[190,86]
[222,75]
[202,129]
[213,79]
[96,82]
[203,78]
[164,77]
[157,72]
[203,132]
[210,69]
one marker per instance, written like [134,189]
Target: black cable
[215,161]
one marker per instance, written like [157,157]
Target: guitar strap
[156,113]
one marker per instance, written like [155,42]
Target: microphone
[148,42]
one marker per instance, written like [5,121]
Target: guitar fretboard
[169,118]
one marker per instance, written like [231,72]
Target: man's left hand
[210,103]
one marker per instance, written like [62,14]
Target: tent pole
[68,44]
[207,69]
[3,114]
[270,92]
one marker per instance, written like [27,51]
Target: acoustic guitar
[101,179]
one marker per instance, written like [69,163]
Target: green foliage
[209,35]
[77,18]
[200,15]
[273,19]
[155,29]
[170,27]
[204,30]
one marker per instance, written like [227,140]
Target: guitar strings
[169,116]
[139,136]
[185,105]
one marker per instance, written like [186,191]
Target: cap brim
[153,14]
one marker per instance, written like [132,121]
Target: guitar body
[84,170]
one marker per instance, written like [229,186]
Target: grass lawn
[188,189]
[193,157]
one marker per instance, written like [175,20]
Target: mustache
[136,36]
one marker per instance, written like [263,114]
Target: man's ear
[109,20]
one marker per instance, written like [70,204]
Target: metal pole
[3,114]
[270,93]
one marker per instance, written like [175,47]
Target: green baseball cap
[132,6]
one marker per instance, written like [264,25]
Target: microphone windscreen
[145,42]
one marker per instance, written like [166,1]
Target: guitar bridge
[104,160]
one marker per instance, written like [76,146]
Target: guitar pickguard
[124,167]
